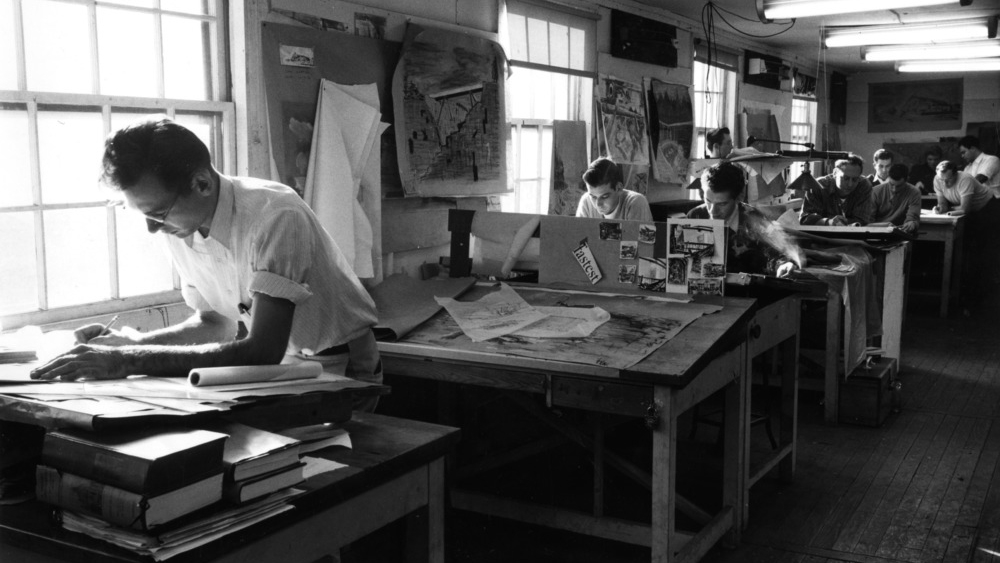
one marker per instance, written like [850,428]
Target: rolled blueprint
[230,375]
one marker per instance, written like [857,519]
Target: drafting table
[710,354]
[395,470]
[948,230]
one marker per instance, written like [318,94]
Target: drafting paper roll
[230,375]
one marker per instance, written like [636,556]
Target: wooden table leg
[664,477]
[831,379]
[946,268]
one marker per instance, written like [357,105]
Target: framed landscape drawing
[925,105]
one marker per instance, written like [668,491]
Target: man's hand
[909,227]
[85,361]
[95,334]
[784,269]
[838,221]
[937,211]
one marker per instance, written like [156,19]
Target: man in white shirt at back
[983,167]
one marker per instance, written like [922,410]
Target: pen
[107,327]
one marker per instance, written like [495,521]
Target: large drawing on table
[448,97]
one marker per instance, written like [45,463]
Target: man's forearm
[195,330]
[177,361]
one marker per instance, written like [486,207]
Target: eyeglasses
[161,218]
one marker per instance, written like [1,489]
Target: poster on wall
[696,256]
[569,162]
[621,117]
[449,105]
[671,129]
[924,105]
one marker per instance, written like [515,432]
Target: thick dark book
[251,451]
[242,491]
[147,462]
[120,507]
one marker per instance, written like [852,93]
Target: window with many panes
[803,128]
[71,71]
[714,98]
[552,55]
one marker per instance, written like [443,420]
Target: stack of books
[257,462]
[137,480]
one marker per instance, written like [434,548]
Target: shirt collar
[222,220]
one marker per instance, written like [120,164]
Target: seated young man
[843,198]
[756,245]
[896,201]
[607,197]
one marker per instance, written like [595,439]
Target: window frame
[222,145]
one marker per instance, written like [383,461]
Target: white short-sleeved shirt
[987,165]
[265,239]
[632,206]
[965,184]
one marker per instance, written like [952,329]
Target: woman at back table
[606,196]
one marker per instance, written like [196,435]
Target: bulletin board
[619,250]
[295,59]
[679,256]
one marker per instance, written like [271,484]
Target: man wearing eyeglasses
[843,198]
[246,249]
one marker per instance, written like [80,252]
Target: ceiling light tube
[911,34]
[959,50]
[769,10]
[974,65]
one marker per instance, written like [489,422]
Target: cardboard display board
[627,254]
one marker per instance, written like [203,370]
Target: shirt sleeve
[913,206]
[639,209]
[281,255]
[581,208]
[863,206]
[991,167]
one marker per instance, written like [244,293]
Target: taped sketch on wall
[450,123]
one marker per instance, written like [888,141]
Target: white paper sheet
[499,313]
[566,322]
[230,375]
[338,185]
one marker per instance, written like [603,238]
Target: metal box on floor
[866,396]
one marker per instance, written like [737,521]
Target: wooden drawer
[601,396]
[773,324]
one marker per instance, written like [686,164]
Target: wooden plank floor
[925,487]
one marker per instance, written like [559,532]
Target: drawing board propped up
[696,256]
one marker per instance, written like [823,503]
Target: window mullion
[95,61]
[22,75]
[112,220]
[161,87]
[517,163]
[538,172]
[36,198]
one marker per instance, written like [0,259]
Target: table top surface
[675,363]
[383,448]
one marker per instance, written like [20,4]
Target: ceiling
[803,37]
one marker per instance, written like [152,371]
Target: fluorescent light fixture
[769,10]
[959,50]
[974,65]
[911,34]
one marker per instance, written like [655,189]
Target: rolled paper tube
[230,375]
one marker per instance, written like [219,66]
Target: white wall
[980,103]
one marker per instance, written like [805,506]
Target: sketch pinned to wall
[636,177]
[569,162]
[922,105]
[671,130]
[696,256]
[621,112]
[449,106]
